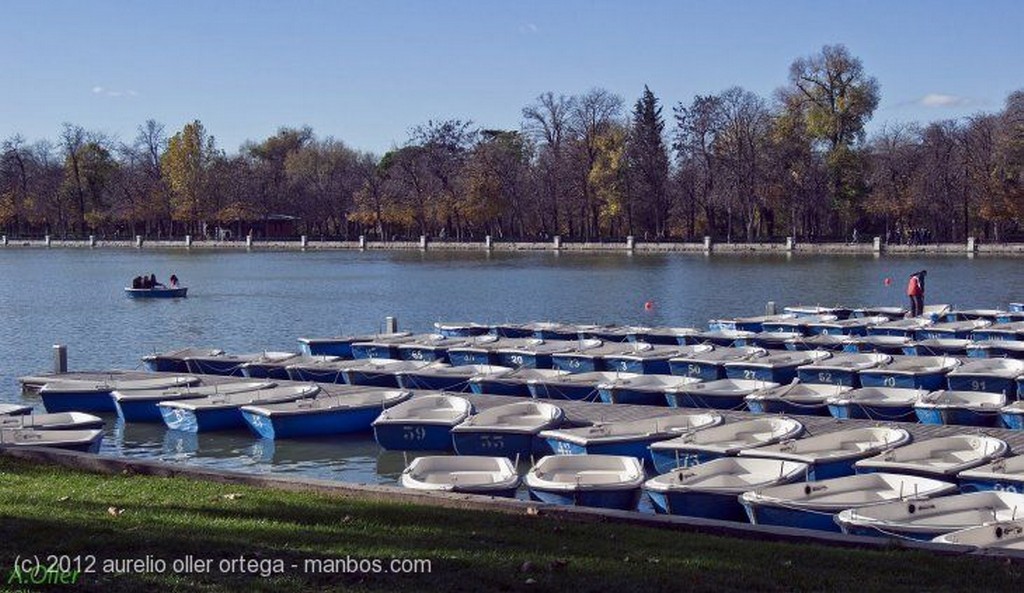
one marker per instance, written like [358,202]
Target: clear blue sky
[366,72]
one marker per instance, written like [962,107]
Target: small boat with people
[467,474]
[423,423]
[794,398]
[509,430]
[960,408]
[343,412]
[928,519]
[833,454]
[940,458]
[148,287]
[75,440]
[224,412]
[79,395]
[725,440]
[632,437]
[604,481]
[711,490]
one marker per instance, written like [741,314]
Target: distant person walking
[915,290]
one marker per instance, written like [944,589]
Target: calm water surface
[245,302]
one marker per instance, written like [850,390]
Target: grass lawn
[48,510]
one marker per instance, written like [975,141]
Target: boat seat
[590,476]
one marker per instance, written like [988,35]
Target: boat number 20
[516,360]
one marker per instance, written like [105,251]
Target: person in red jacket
[915,290]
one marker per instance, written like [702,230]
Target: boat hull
[375,351]
[464,357]
[259,371]
[504,444]
[411,436]
[840,377]
[578,364]
[706,371]
[871,412]
[715,402]
[983,383]
[1007,484]
[368,378]
[424,353]
[881,378]
[148,410]
[761,514]
[203,420]
[524,360]
[666,460]
[500,387]
[83,401]
[316,423]
[623,499]
[203,366]
[956,416]
[725,507]
[780,374]
[640,397]
[639,448]
[312,375]
[156,293]
[646,366]
[781,406]
[433,382]
[563,391]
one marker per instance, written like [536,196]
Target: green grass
[51,510]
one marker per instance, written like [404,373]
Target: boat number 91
[415,433]
[978,385]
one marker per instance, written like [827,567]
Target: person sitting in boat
[174,281]
[153,282]
[144,282]
[137,282]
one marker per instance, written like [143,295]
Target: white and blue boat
[551,330]
[511,330]
[141,405]
[666,336]
[77,395]
[383,372]
[510,430]
[319,369]
[726,440]
[799,325]
[484,349]
[882,344]
[516,383]
[969,314]
[645,390]
[1002,475]
[910,372]
[960,408]
[166,292]
[827,342]
[998,375]
[940,458]
[1013,331]
[778,367]
[727,338]
[346,413]
[174,360]
[890,313]
[814,505]
[423,423]
[875,403]
[589,356]
[535,355]
[429,347]
[997,349]
[938,347]
[573,386]
[451,329]
[833,454]
[604,481]
[854,326]
[751,324]
[1012,415]
[795,398]
[649,359]
[610,333]
[721,394]
[464,474]
[230,364]
[994,537]
[88,441]
[278,368]
[960,330]
[710,365]
[815,310]
[904,328]
[340,346]
[1017,307]
[224,412]
[928,519]
[384,345]
[447,378]
[841,369]
[711,490]
[58,421]
[14,410]
[775,340]
[631,438]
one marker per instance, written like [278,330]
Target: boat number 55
[495,441]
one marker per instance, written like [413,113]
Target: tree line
[734,165]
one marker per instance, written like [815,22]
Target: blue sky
[366,72]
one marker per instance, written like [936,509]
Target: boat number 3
[623,365]
[415,433]
[495,441]
[889,381]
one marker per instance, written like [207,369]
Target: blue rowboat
[649,359]
[461,330]
[588,356]
[841,369]
[278,368]
[604,481]
[1000,331]
[726,440]
[548,330]
[446,378]
[817,310]
[998,375]
[609,333]
[854,326]
[465,474]
[429,348]
[794,398]
[484,349]
[1002,475]
[833,454]
[829,343]
[1012,415]
[229,364]
[910,372]
[631,438]
[721,394]
[644,390]
[749,324]
[876,403]
[775,340]
[997,349]
[319,369]
[174,360]
[990,315]
[421,424]
[890,313]
[988,537]
[940,458]
[905,328]
[929,519]
[779,367]
[511,330]
[59,421]
[509,430]
[141,405]
[178,292]
[937,347]
[340,346]
[382,372]
[573,386]
[74,440]
[1017,307]
[349,412]
[879,344]
[1010,317]
[961,408]
[711,490]
[384,346]
[515,383]
[710,365]
[224,412]
[728,338]
[799,325]
[959,330]
[76,395]
[536,355]
[665,336]
[814,505]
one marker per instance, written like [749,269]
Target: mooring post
[790,243]
[92,240]
[138,241]
[423,242]
[60,358]
[769,309]
[303,242]
[248,241]
[488,243]
[877,247]
[630,244]
[390,325]
[971,245]
[5,240]
[707,244]
[362,242]
[188,241]
[558,242]
[46,239]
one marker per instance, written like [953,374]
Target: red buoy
[887,281]
[649,305]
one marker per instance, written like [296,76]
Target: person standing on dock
[915,290]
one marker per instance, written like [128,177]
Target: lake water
[246,302]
